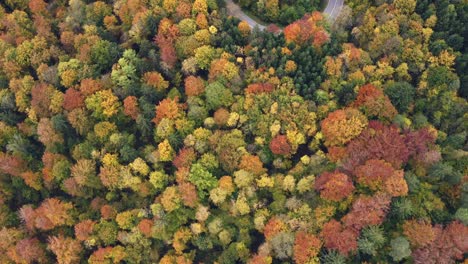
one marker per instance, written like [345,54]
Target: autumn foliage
[341,126]
[170,131]
[167,108]
[339,238]
[334,186]
[306,247]
[307,30]
[374,103]
[279,145]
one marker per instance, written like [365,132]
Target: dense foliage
[144,131]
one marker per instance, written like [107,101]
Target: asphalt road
[234,10]
[332,10]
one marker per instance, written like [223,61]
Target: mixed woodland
[166,131]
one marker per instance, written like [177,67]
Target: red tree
[374,102]
[72,99]
[66,249]
[40,99]
[194,86]
[131,107]
[306,246]
[273,227]
[167,108]
[165,39]
[450,245]
[279,145]
[184,158]
[340,238]
[334,186]
[367,211]
[28,250]
[377,142]
[84,229]
[257,88]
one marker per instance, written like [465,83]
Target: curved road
[332,10]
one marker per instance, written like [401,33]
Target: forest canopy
[167,131]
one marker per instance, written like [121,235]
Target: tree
[378,141]
[200,6]
[167,108]
[156,81]
[217,96]
[84,229]
[41,99]
[244,28]
[167,34]
[204,55]
[448,246]
[53,212]
[66,249]
[367,211]
[131,108]
[334,186]
[279,145]
[194,86]
[338,237]
[341,126]
[380,175]
[72,99]
[400,249]
[27,250]
[306,247]
[374,103]
[48,135]
[419,233]
[401,94]
[104,104]
[202,179]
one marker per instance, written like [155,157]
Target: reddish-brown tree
[167,108]
[12,165]
[72,99]
[84,229]
[40,99]
[90,86]
[28,250]
[184,158]
[66,249]
[378,141]
[53,212]
[252,164]
[306,246]
[194,86]
[257,88]
[374,103]
[419,233]
[167,33]
[279,145]
[338,237]
[273,227]
[450,245]
[188,193]
[334,186]
[221,116]
[145,227]
[131,108]
[367,211]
